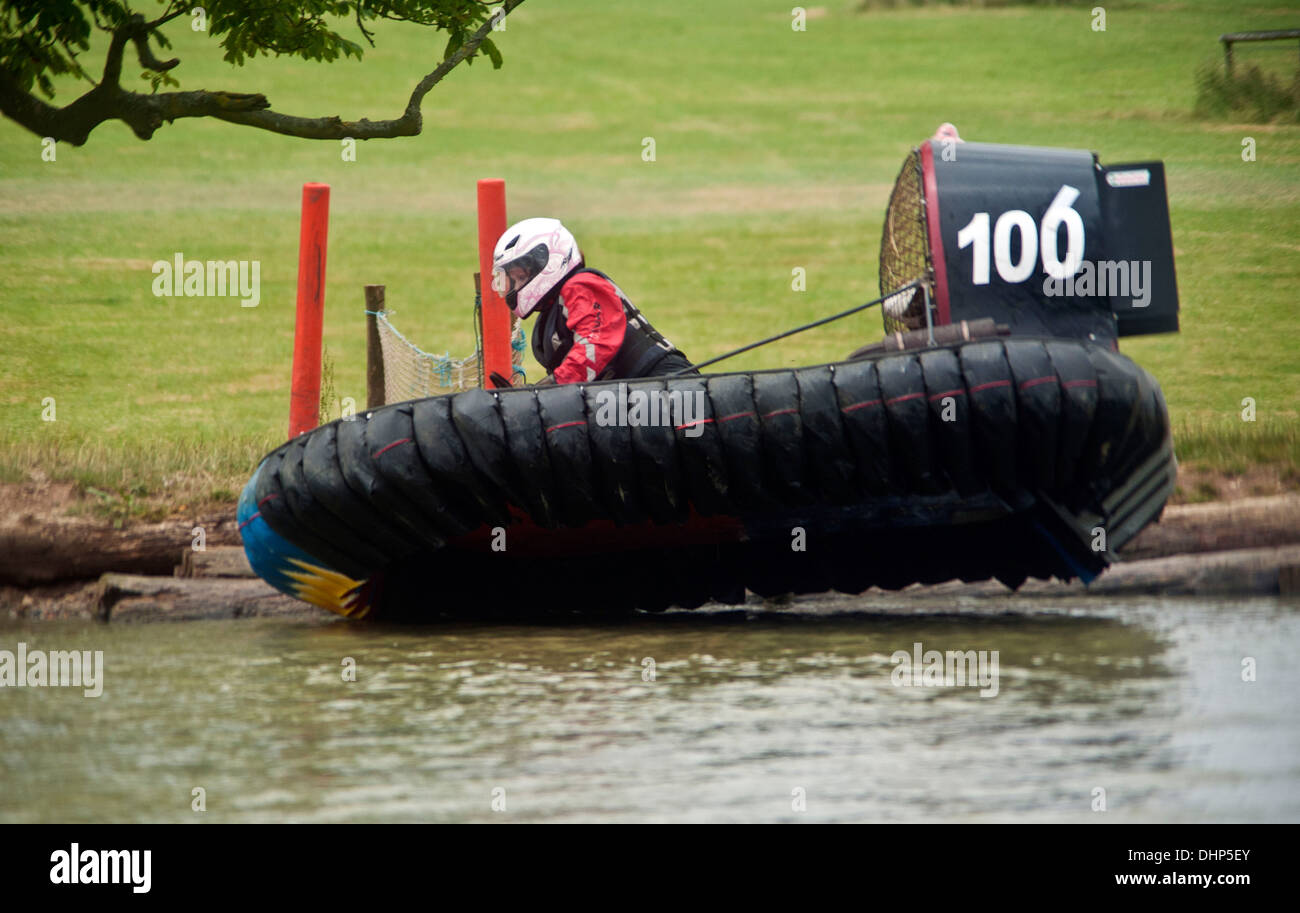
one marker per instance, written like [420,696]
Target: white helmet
[530,259]
[947,131]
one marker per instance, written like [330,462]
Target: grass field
[775,149]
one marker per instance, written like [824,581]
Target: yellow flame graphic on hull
[328,589]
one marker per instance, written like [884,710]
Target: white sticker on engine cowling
[1139,177]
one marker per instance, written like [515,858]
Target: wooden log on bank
[134,597]
[73,548]
[1219,526]
[217,561]
[1241,572]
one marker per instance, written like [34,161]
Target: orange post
[496,314]
[304,401]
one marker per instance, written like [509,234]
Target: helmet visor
[510,276]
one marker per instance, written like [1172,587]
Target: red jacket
[594,312]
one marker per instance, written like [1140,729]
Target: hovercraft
[997,432]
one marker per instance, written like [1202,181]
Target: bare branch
[173,10]
[147,58]
[369,36]
[144,114]
[113,61]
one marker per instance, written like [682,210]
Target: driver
[586,327]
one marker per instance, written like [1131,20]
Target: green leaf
[493,53]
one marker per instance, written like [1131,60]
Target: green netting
[412,373]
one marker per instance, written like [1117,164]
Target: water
[1142,698]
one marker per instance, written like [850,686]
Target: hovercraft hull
[1001,458]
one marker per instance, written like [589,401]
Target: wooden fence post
[375,393]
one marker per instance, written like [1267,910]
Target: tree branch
[170,13]
[113,62]
[147,58]
[469,47]
[144,114]
[409,124]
